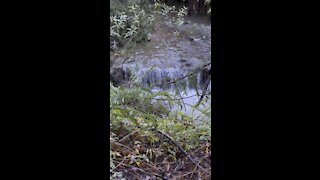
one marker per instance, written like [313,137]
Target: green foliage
[131,21]
[138,111]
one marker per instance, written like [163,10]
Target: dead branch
[181,149]
[125,137]
[150,174]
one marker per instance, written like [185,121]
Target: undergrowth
[148,141]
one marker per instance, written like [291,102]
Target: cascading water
[184,84]
[170,78]
[173,64]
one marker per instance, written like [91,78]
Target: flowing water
[169,56]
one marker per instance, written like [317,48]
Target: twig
[154,166]
[139,169]
[196,108]
[124,62]
[199,163]
[187,173]
[120,163]
[204,91]
[181,149]
[174,81]
[194,170]
[170,82]
[175,169]
[127,136]
[122,145]
[180,98]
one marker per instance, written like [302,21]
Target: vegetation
[131,21]
[208,3]
[149,140]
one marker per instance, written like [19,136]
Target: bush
[131,21]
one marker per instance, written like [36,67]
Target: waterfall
[170,78]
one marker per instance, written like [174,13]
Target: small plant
[132,25]
[129,25]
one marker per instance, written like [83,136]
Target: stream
[170,56]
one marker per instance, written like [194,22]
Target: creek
[173,52]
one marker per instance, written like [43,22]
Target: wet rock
[117,76]
[149,35]
[186,22]
[190,39]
